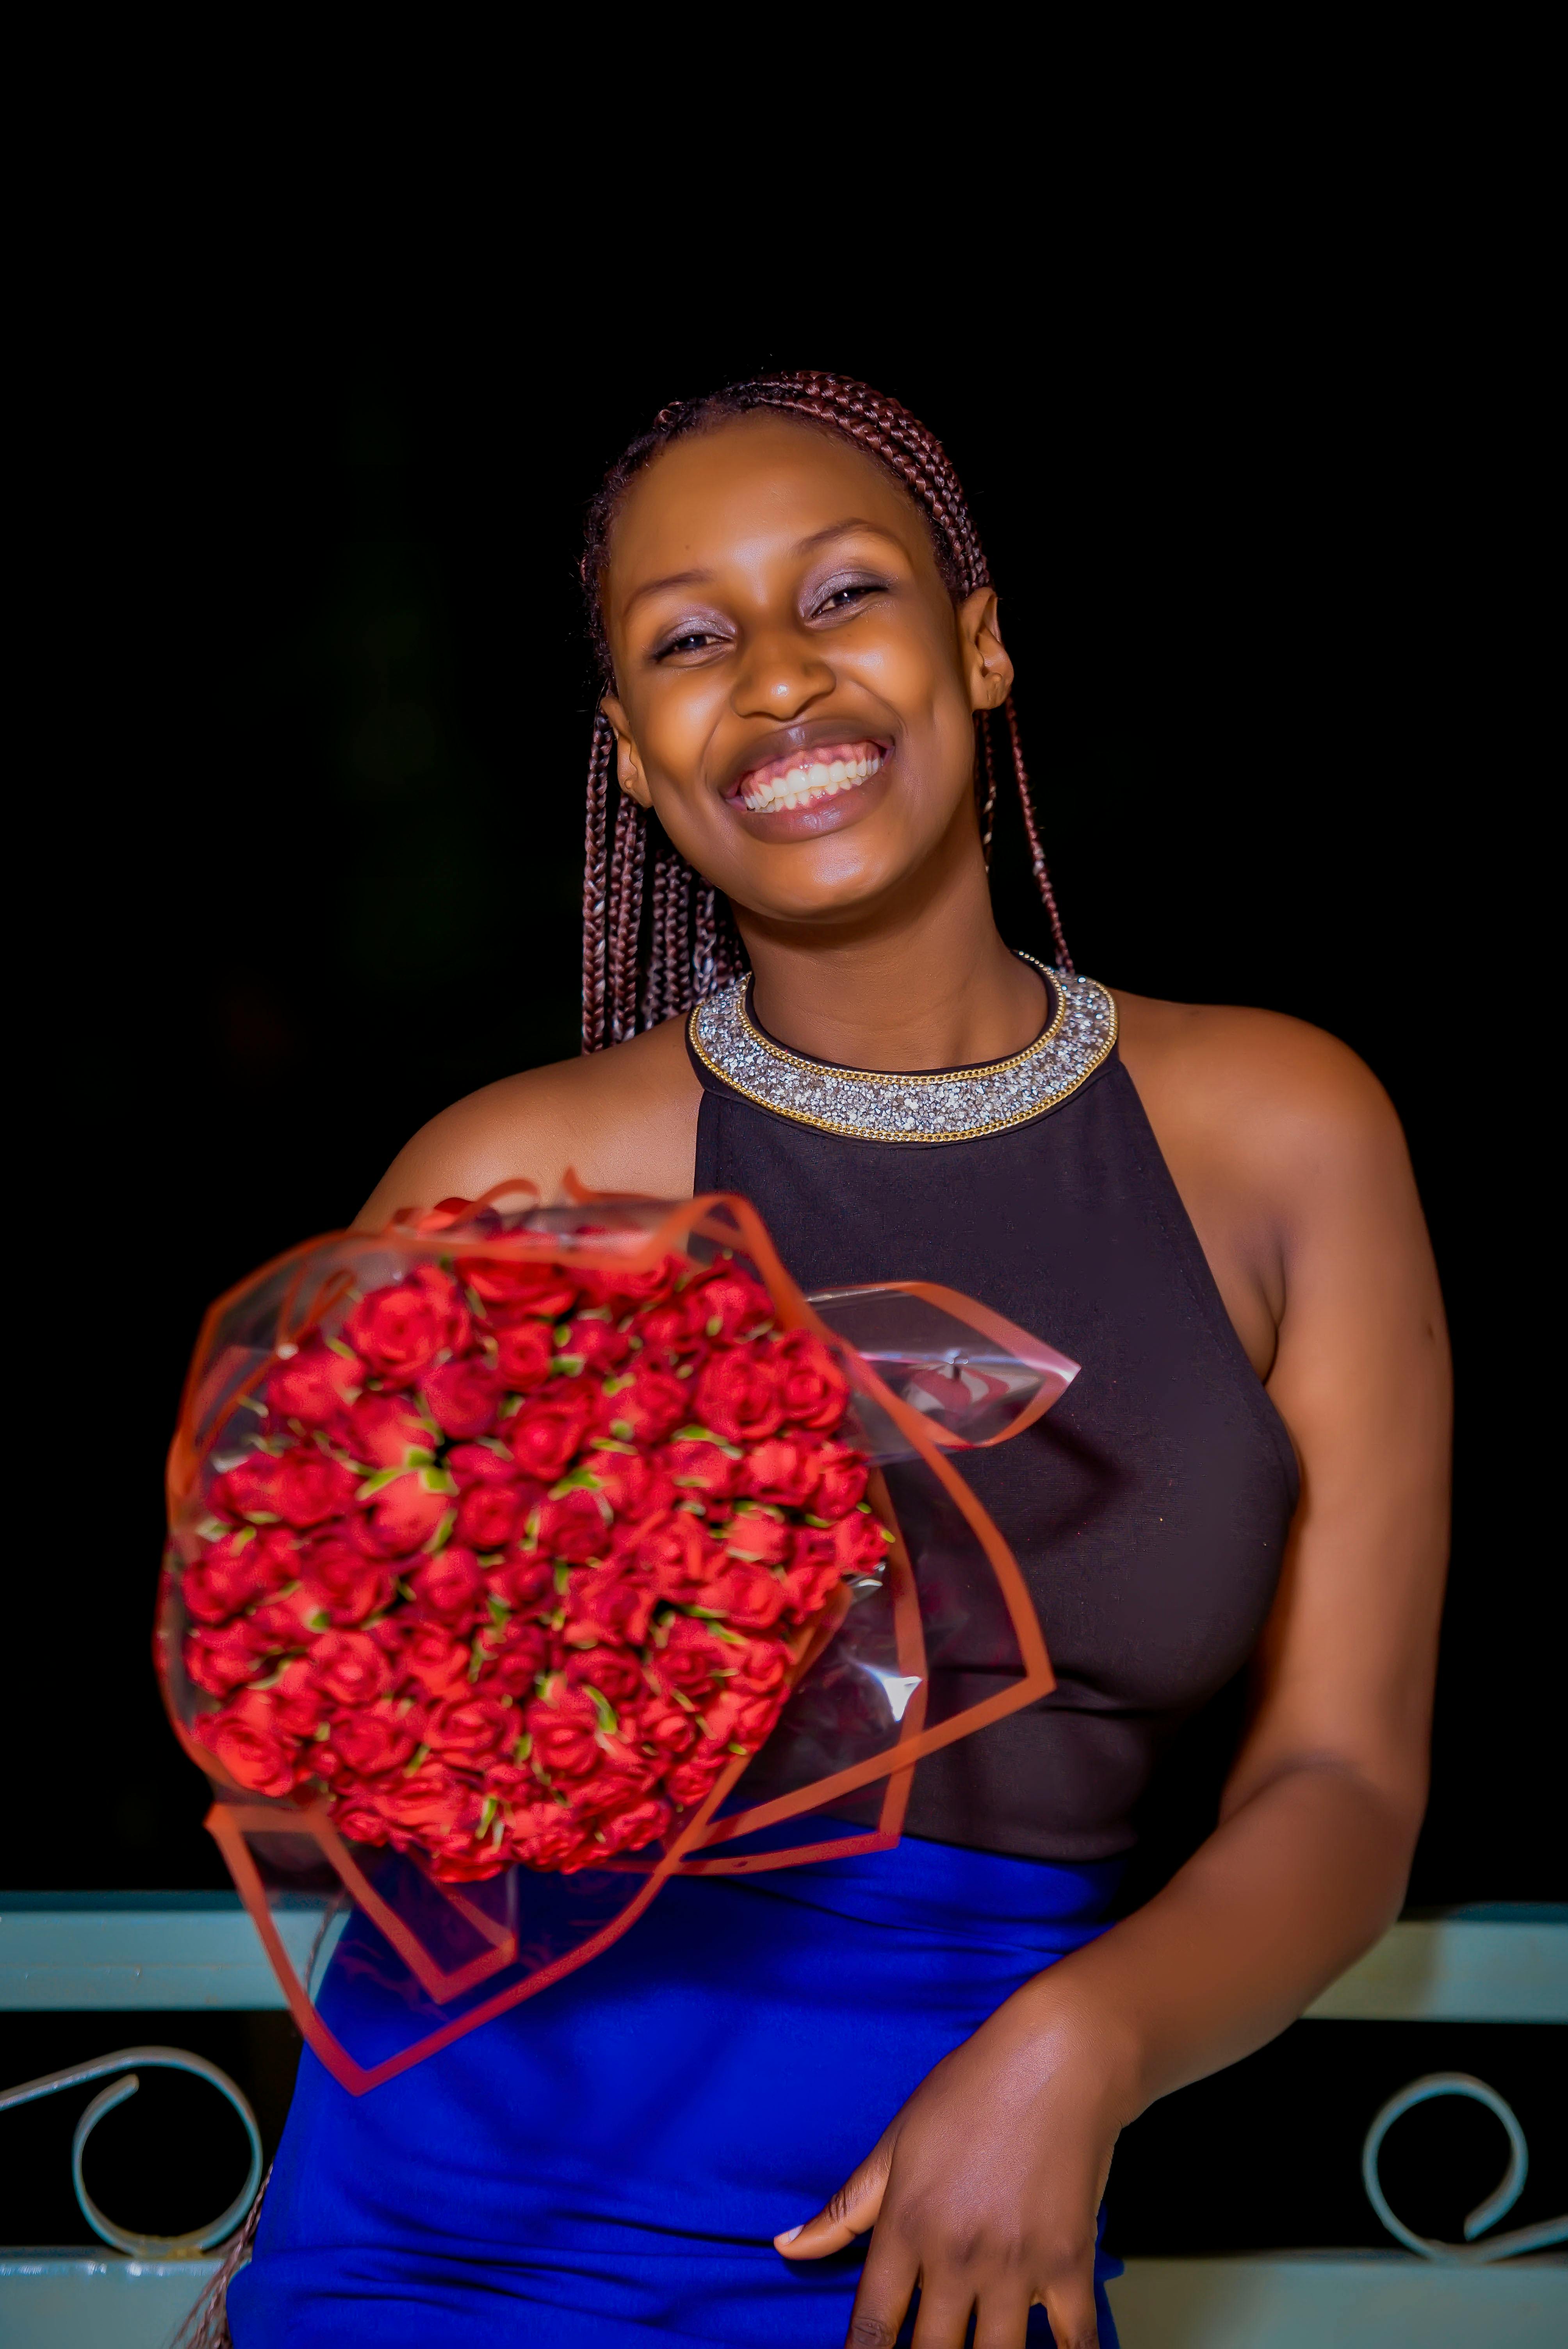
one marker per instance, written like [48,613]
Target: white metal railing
[120,1952]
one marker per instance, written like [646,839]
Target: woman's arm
[624,1120]
[984,2188]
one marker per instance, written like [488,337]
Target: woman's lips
[808,779]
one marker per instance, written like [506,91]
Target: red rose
[596,1344]
[546,1835]
[450,1587]
[860,1543]
[841,1485]
[523,1579]
[603,1605]
[759,1536]
[735,1718]
[374,1739]
[811,1580]
[637,1826]
[691,1657]
[513,1658]
[401,1517]
[292,1619]
[429,1804]
[352,1669]
[674,1328]
[749,1596]
[487,1515]
[576,1528]
[221,1660]
[315,1385]
[249,1748]
[783,1469]
[402,1328]
[698,1464]
[465,1731]
[546,1434]
[343,1584]
[525,1351]
[610,1285]
[564,1728]
[240,1567]
[617,1675]
[302,1486]
[436,1662]
[462,1397]
[622,1781]
[690,1782]
[518,1286]
[356,1821]
[665,1727]
[634,1485]
[299,1706]
[642,1405]
[480,1464]
[729,1303]
[813,1389]
[760,1667]
[675,1553]
[736,1394]
[389,1431]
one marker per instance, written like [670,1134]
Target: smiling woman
[936,2047]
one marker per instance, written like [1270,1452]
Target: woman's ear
[628,766]
[990,671]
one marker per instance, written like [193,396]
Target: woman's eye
[691,641]
[842,599]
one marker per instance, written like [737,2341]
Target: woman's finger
[1002,2321]
[849,2213]
[887,2286]
[1069,2304]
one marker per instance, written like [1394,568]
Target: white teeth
[818,780]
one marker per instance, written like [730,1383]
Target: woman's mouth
[808,779]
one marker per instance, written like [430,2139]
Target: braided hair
[693,946]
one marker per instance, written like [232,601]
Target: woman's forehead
[755,484]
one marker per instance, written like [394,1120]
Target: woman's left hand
[984,2189]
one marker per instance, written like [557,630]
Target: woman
[1212,1209]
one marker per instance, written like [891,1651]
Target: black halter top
[1148,1509]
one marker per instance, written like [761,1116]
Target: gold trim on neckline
[920,1105]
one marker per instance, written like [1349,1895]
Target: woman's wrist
[1071,2030]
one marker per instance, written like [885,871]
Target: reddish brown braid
[612,906]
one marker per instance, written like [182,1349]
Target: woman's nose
[782,676]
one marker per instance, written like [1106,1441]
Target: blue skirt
[605,2165]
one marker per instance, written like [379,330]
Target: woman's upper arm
[1362,1382]
[623,1120]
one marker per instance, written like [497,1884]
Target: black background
[301,848]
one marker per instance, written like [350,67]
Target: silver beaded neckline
[876,1105]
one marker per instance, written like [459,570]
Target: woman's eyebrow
[675,579]
[803,546]
[840,529]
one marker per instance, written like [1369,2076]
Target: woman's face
[796,686]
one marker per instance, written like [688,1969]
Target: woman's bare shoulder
[623,1120]
[1259,1088]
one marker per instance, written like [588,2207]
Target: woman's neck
[932,986]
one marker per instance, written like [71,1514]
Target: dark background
[302,853]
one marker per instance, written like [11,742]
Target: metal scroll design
[169,2059]
[1470,2253]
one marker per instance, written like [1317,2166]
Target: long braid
[988,805]
[664,862]
[676,989]
[918,462]
[625,917]
[594,886]
[1037,853]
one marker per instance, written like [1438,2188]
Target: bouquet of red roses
[518,1559]
[521,1558]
